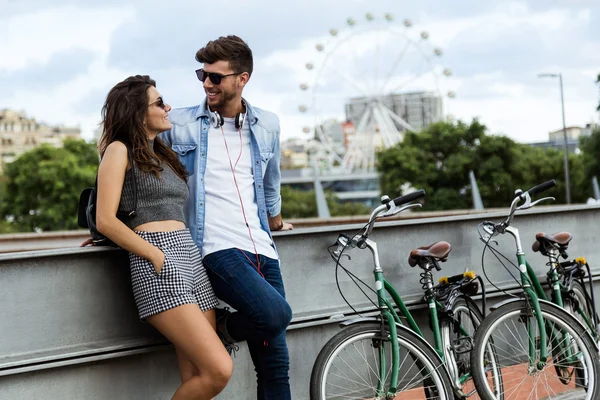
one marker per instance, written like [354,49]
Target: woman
[170,286]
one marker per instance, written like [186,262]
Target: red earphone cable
[233,167]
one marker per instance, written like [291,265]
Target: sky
[60,58]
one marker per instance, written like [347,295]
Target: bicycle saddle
[542,240]
[438,251]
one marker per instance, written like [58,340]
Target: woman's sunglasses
[159,102]
[213,76]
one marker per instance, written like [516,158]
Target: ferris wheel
[366,85]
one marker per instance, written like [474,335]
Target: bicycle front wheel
[513,331]
[356,363]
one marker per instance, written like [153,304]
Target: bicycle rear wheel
[349,366]
[513,330]
[457,338]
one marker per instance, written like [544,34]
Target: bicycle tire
[456,368]
[372,331]
[554,316]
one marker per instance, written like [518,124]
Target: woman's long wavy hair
[123,117]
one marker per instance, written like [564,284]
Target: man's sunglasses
[213,76]
[159,102]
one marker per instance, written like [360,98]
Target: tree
[439,159]
[590,147]
[598,83]
[303,204]
[41,187]
[436,160]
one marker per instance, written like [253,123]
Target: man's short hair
[227,48]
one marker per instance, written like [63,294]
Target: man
[231,151]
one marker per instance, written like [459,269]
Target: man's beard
[225,98]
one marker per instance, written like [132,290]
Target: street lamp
[566,158]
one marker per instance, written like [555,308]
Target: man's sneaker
[229,343]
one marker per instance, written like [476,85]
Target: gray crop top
[158,198]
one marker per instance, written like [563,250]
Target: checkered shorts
[182,279]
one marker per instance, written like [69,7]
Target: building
[573,133]
[19,133]
[418,109]
[556,139]
[294,154]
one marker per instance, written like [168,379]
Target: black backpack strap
[133,212]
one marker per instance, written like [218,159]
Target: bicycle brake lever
[542,199]
[396,210]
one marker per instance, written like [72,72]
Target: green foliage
[297,203]
[303,204]
[598,83]
[591,155]
[41,187]
[439,159]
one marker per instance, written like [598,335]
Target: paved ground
[571,395]
[518,386]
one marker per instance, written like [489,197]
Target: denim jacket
[188,138]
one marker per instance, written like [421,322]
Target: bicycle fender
[368,320]
[507,301]
[360,320]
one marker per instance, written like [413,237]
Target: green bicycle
[566,280]
[540,346]
[381,358]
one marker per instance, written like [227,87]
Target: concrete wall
[69,328]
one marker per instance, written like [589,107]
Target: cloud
[60,68]
[495,48]
[34,37]
[57,56]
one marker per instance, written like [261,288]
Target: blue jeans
[262,314]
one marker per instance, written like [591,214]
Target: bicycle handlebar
[407,198]
[522,201]
[388,208]
[542,187]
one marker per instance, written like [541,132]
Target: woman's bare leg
[186,368]
[194,337]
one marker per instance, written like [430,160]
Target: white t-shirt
[224,224]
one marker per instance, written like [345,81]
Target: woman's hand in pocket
[158,260]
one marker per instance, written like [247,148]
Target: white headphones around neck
[217,120]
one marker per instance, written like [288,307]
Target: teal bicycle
[569,282]
[542,350]
[386,356]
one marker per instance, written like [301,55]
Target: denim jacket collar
[202,111]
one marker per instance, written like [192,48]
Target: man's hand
[286,226]
[277,224]
[87,242]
